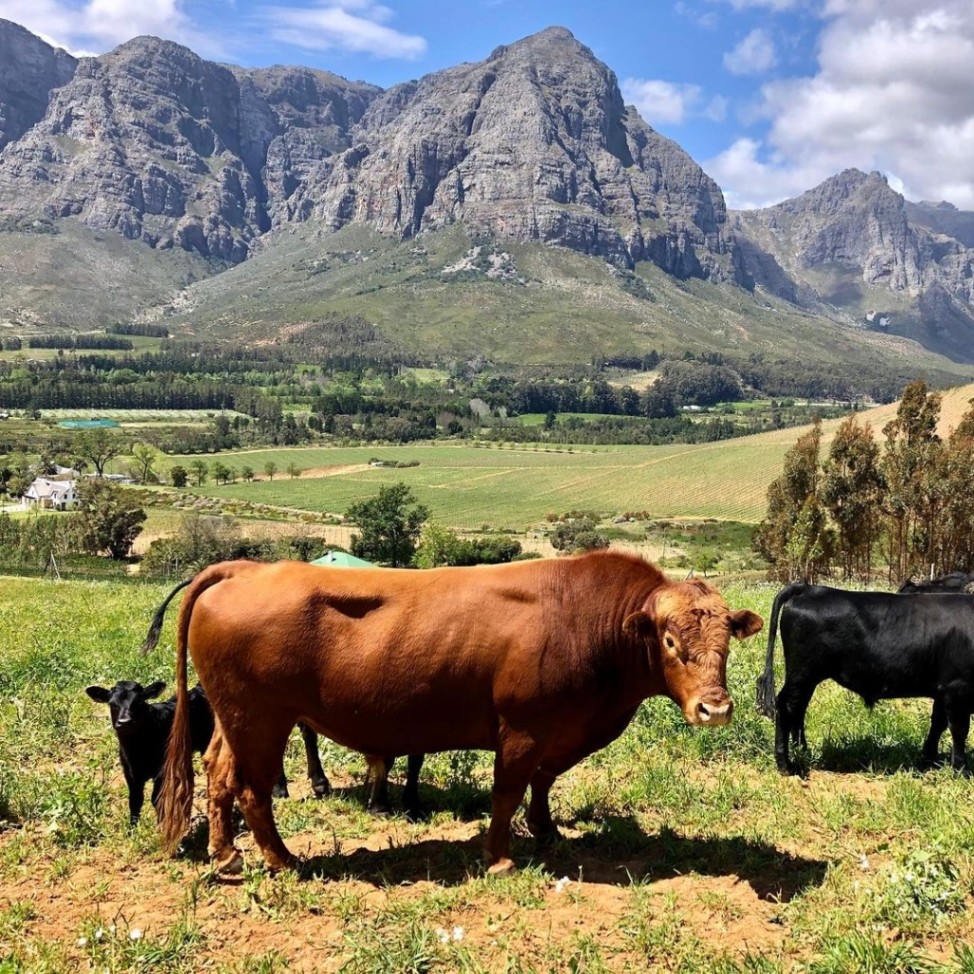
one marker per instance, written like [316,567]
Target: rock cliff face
[159,145]
[857,245]
[532,144]
[29,71]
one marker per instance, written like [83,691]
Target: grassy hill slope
[437,295]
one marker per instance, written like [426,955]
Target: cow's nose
[714,714]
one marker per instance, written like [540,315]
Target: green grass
[515,487]
[684,849]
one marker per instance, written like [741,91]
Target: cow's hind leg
[930,754]
[790,708]
[220,774]
[515,762]
[320,785]
[257,754]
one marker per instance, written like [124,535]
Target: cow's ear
[97,693]
[745,623]
[638,624]
[154,689]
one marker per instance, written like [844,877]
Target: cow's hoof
[545,838]
[279,792]
[321,791]
[503,867]
[276,864]
[231,866]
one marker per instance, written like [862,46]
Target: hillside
[512,209]
[448,296]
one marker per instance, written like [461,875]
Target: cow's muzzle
[709,713]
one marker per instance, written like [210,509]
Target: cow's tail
[176,794]
[765,683]
[152,636]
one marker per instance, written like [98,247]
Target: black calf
[142,729]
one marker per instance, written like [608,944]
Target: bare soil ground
[584,892]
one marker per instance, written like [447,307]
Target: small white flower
[82,941]
[458,934]
[99,933]
[561,884]
[863,862]
[135,934]
[442,936]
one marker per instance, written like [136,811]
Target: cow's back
[877,644]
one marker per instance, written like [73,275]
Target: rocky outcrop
[159,145]
[857,245]
[29,71]
[534,143]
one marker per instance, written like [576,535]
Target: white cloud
[348,25]
[892,92]
[775,6]
[754,55]
[660,102]
[98,25]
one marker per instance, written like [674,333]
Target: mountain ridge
[201,167]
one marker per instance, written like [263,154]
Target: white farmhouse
[61,495]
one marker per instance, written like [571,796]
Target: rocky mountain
[29,71]
[126,178]
[855,246]
[161,146]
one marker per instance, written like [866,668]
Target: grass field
[508,486]
[683,851]
[515,487]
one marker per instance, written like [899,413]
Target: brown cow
[542,662]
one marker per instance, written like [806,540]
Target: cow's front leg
[540,823]
[136,791]
[930,755]
[516,760]
[410,796]
[959,721]
[320,785]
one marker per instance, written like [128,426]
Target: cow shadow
[865,754]
[620,855]
[466,803]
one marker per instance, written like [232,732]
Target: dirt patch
[353,889]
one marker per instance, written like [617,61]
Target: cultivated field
[683,851]
[513,486]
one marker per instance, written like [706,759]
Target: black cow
[142,729]
[954,582]
[880,645]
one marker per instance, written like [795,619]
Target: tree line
[903,506]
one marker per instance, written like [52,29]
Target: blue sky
[769,96]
